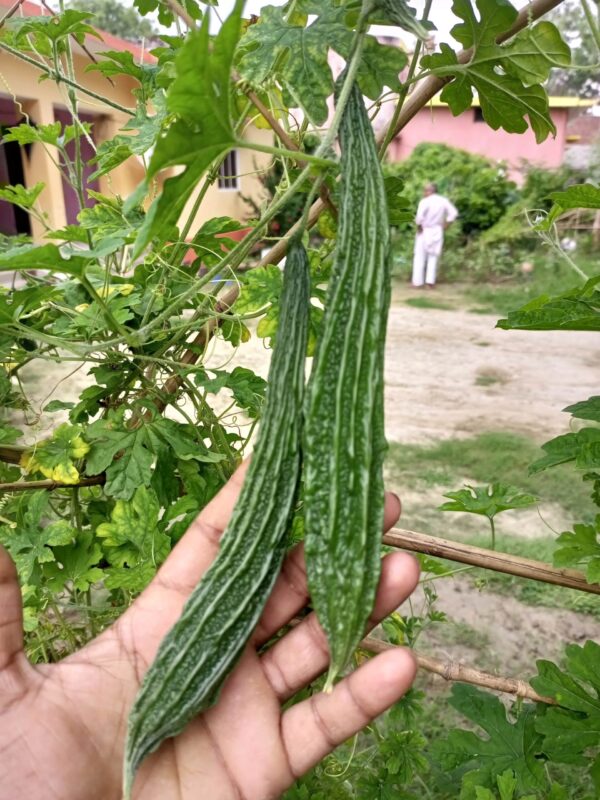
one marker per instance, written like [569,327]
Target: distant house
[436,123]
[24,98]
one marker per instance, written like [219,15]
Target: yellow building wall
[38,100]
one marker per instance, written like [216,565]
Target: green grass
[510,295]
[489,379]
[426,302]
[488,458]
[533,593]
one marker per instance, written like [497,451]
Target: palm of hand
[62,727]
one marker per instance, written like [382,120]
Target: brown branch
[11,454]
[452,671]
[180,12]
[88,53]
[287,140]
[489,559]
[11,12]
[31,486]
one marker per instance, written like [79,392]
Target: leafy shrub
[477,186]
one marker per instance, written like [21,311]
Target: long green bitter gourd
[198,653]
[344,437]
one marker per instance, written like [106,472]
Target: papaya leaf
[55,457]
[509,745]
[496,72]
[487,500]
[573,729]
[200,98]
[581,548]
[576,310]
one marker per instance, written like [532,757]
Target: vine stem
[489,559]
[389,134]
[32,486]
[453,671]
[594,25]
[63,79]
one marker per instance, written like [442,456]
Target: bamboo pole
[489,559]
[453,671]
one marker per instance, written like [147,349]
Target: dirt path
[453,374]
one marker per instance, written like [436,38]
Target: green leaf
[55,457]
[48,256]
[200,98]
[576,310]
[247,388]
[57,26]
[75,564]
[122,62]
[57,405]
[495,72]
[581,195]
[20,196]
[487,500]
[586,409]
[132,537]
[509,745]
[582,447]
[297,54]
[8,434]
[581,548]
[400,209]
[398,12]
[27,542]
[122,454]
[574,727]
[534,52]
[261,288]
[507,784]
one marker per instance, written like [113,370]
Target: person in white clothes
[434,213]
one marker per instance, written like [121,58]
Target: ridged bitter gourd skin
[220,615]
[344,436]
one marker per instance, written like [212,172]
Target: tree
[114,17]
[571,20]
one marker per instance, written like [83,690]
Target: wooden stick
[489,559]
[453,671]
[31,486]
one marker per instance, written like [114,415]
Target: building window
[478,114]
[228,172]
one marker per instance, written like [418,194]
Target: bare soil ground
[450,373]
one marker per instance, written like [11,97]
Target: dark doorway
[13,220]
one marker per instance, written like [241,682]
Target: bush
[477,186]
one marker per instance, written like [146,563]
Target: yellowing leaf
[54,457]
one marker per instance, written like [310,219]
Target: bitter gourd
[197,654]
[344,436]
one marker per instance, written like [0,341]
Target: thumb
[11,611]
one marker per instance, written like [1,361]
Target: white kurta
[433,213]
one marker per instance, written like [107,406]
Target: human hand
[63,726]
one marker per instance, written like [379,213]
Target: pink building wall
[437,124]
